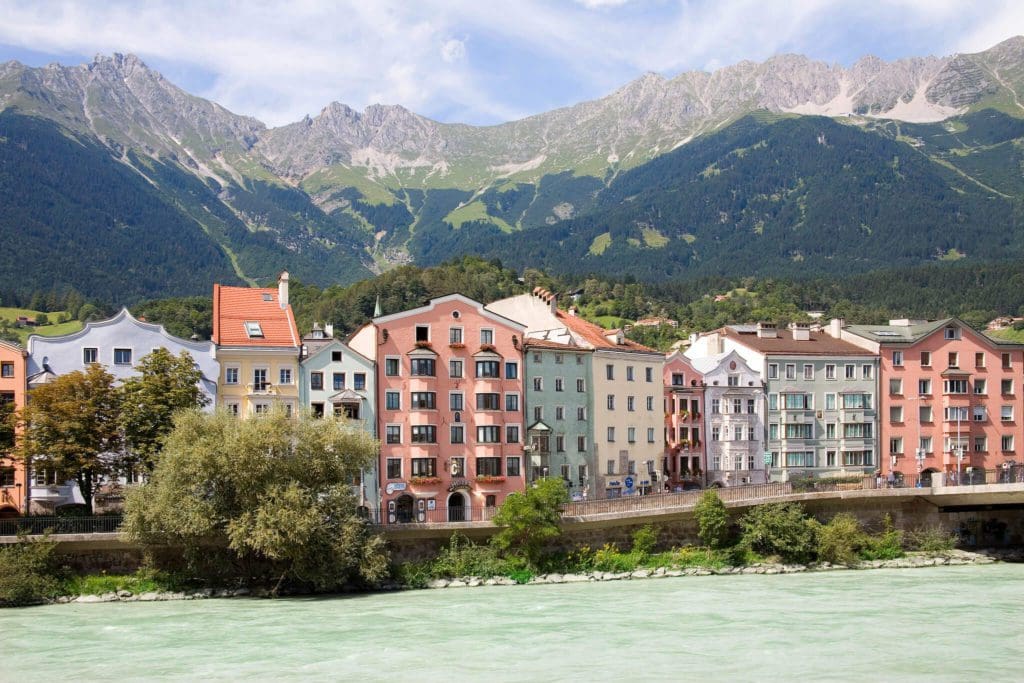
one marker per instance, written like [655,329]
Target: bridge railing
[102,524]
[659,501]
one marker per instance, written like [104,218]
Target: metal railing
[659,501]
[104,524]
[438,515]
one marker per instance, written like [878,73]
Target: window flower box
[489,479]
[424,481]
[488,348]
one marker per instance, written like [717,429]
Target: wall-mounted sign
[394,486]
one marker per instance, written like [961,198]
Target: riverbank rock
[437,583]
[89,598]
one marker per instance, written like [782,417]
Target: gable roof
[433,303]
[819,344]
[234,306]
[593,335]
[123,315]
[908,335]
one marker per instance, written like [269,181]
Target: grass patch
[475,211]
[600,244]
[653,238]
[142,581]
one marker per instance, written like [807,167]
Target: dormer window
[253,329]
[952,332]
[267,297]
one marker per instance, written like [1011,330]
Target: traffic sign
[629,482]
[767,458]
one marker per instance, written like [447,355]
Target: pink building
[449,409]
[684,408]
[950,400]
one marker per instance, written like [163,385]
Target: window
[490,500]
[830,372]
[422,333]
[979,360]
[560,443]
[895,413]
[259,379]
[751,406]
[630,403]
[511,433]
[857,430]
[538,413]
[424,467]
[392,400]
[896,446]
[559,359]
[1006,442]
[924,387]
[233,409]
[488,467]
[857,401]
[800,459]
[955,414]
[231,375]
[391,367]
[715,406]
[611,401]
[808,373]
[338,381]
[423,400]
[455,369]
[677,379]
[579,360]
[488,369]
[559,384]
[773,371]
[857,458]
[122,356]
[799,431]
[790,371]
[629,373]
[581,444]
[423,434]
[394,468]
[867,371]
[978,413]
[536,357]
[6,475]
[851,372]
[925,444]
[316,380]
[538,384]
[454,335]
[1006,387]
[611,435]
[631,434]
[650,435]
[486,336]
[737,406]
[253,329]
[1006,360]
[609,371]
[979,387]
[953,359]
[926,359]
[896,386]
[511,370]
[336,356]
[1006,413]
[830,401]
[488,434]
[44,477]
[581,385]
[737,433]
[512,466]
[716,433]
[559,412]
[798,401]
[649,374]
[830,430]
[650,403]
[457,434]
[952,332]
[512,402]
[422,367]
[90,355]
[897,359]
[980,444]
[773,402]
[924,414]
[954,386]
[393,434]
[581,412]
[488,402]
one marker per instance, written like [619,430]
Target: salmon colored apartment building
[684,398]
[950,399]
[13,483]
[449,409]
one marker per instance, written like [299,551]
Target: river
[934,624]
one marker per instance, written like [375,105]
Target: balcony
[261,389]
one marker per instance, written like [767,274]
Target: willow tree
[72,426]
[274,493]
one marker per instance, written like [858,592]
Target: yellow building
[258,346]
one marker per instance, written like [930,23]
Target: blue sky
[475,61]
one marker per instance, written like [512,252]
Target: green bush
[610,559]
[932,539]
[145,580]
[462,557]
[712,520]
[28,572]
[645,540]
[780,529]
[412,574]
[530,520]
[841,540]
[887,545]
[804,484]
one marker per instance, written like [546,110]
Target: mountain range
[121,185]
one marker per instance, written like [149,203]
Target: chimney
[553,303]
[329,330]
[282,289]
[767,331]
[801,331]
[835,327]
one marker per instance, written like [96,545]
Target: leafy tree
[165,384]
[712,520]
[531,519]
[780,529]
[274,493]
[72,425]
[27,572]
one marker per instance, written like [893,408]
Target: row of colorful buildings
[473,401]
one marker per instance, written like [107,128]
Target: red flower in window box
[489,478]
[424,481]
[488,348]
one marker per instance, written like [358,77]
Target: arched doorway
[926,477]
[9,512]
[457,507]
[404,509]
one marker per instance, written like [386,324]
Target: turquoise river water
[936,624]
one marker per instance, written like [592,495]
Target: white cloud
[453,51]
[601,4]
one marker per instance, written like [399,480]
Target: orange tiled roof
[548,344]
[594,335]
[234,306]
[819,344]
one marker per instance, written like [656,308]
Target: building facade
[951,399]
[558,413]
[258,347]
[684,423]
[13,385]
[450,409]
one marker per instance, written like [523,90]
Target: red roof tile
[819,344]
[234,306]
[594,335]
